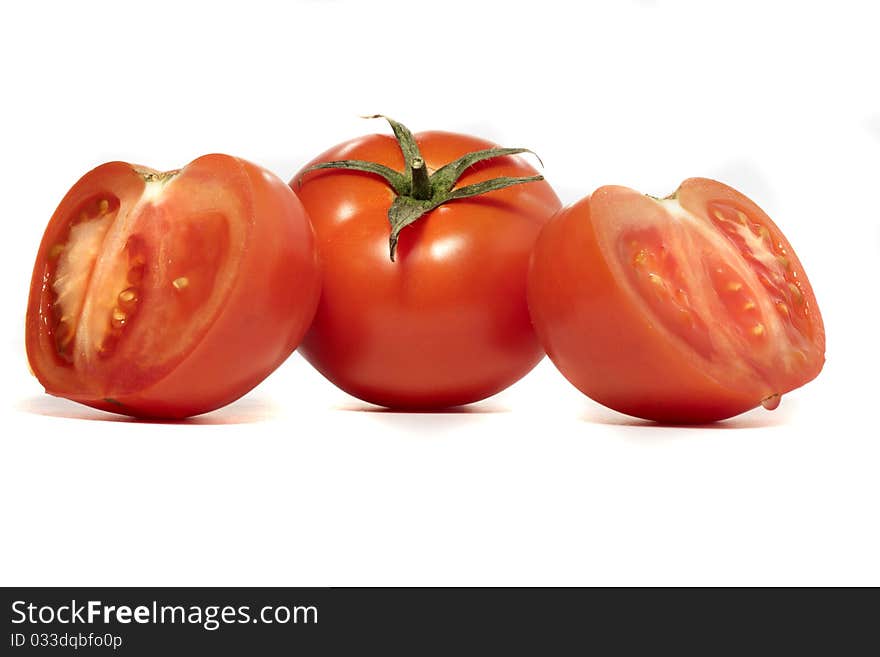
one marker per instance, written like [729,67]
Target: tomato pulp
[170,294]
[445,323]
[692,308]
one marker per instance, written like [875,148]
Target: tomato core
[85,320]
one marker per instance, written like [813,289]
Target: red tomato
[446,322]
[692,308]
[170,294]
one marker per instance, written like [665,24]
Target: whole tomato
[170,294]
[690,308]
[424,242]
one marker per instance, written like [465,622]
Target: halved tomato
[170,294]
[691,308]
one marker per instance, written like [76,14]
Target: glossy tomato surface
[170,294]
[446,323]
[692,308]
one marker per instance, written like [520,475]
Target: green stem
[421,185]
[416,192]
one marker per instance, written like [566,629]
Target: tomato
[442,319]
[170,294]
[691,308]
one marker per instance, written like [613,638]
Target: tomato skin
[446,323]
[266,308]
[602,339]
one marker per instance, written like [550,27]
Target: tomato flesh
[158,252]
[657,275]
[723,292]
[706,294]
[771,261]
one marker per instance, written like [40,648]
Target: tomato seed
[180,283]
[641,257]
[127,297]
[758,329]
[749,305]
[117,319]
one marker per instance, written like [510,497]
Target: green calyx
[419,192]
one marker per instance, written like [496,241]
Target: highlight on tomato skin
[170,294]
[687,309]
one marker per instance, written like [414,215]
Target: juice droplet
[771,403]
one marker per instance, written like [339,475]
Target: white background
[299,484]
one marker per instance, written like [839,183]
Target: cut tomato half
[168,294]
[689,308]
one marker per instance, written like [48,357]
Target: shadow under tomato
[243,411]
[468,409]
[755,419]
[417,422]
